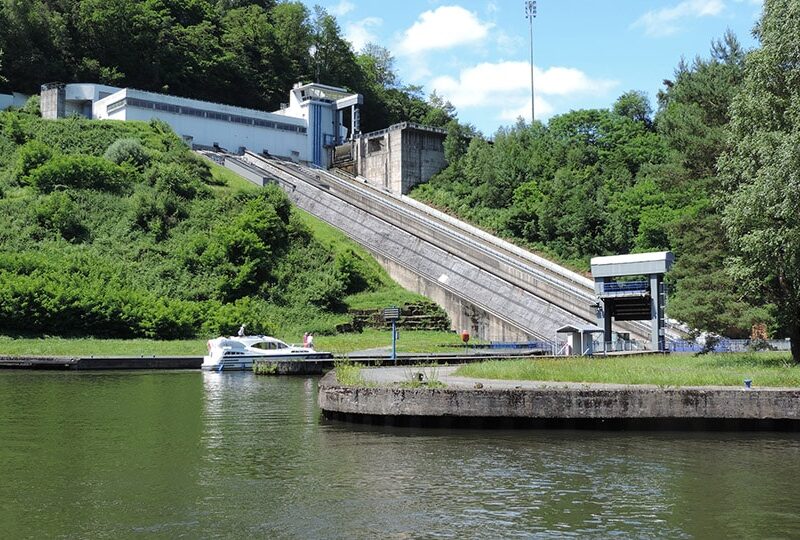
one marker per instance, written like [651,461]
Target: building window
[111,107]
[191,111]
[375,145]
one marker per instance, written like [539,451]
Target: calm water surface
[187,454]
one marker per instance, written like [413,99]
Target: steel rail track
[505,262]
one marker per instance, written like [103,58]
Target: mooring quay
[308,367]
[387,398]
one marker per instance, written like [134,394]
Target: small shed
[579,337]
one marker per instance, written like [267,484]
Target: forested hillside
[201,49]
[116,229]
[619,180]
[711,174]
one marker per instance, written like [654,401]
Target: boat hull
[245,363]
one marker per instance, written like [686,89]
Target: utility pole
[530,14]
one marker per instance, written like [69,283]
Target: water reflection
[231,454]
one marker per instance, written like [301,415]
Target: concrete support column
[355,116]
[337,122]
[608,310]
[53,101]
[656,313]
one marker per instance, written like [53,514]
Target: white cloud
[667,21]
[504,89]
[544,109]
[508,84]
[510,45]
[442,28]
[342,8]
[358,33]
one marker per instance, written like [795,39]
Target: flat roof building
[303,130]
[14,99]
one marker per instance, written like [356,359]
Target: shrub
[31,156]
[173,178]
[355,273]
[224,319]
[240,262]
[32,106]
[13,129]
[155,212]
[130,151]
[57,212]
[87,172]
[325,291]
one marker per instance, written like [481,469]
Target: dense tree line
[626,179]
[760,169]
[200,49]
[712,174]
[117,229]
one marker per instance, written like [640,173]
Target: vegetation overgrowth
[349,374]
[719,369]
[265,368]
[117,230]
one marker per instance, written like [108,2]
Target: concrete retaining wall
[118,362]
[557,401]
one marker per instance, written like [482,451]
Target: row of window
[191,111]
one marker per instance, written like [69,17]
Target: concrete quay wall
[561,402]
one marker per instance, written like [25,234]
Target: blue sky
[586,52]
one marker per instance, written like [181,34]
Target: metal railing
[625,286]
[730,345]
[621,345]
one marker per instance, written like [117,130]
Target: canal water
[188,454]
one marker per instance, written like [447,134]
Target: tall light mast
[530,14]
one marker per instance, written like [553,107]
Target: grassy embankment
[725,369]
[416,342]
[117,231]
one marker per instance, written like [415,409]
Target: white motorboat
[239,352]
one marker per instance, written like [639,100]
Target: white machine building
[303,130]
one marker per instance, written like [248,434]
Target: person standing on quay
[310,341]
[305,340]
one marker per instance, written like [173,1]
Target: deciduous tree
[762,169]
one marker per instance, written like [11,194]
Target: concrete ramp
[489,287]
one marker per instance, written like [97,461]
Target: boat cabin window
[266,345]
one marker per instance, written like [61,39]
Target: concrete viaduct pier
[465,402]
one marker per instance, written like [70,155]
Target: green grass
[339,344]
[349,374]
[728,369]
[413,342]
[54,346]
[229,180]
